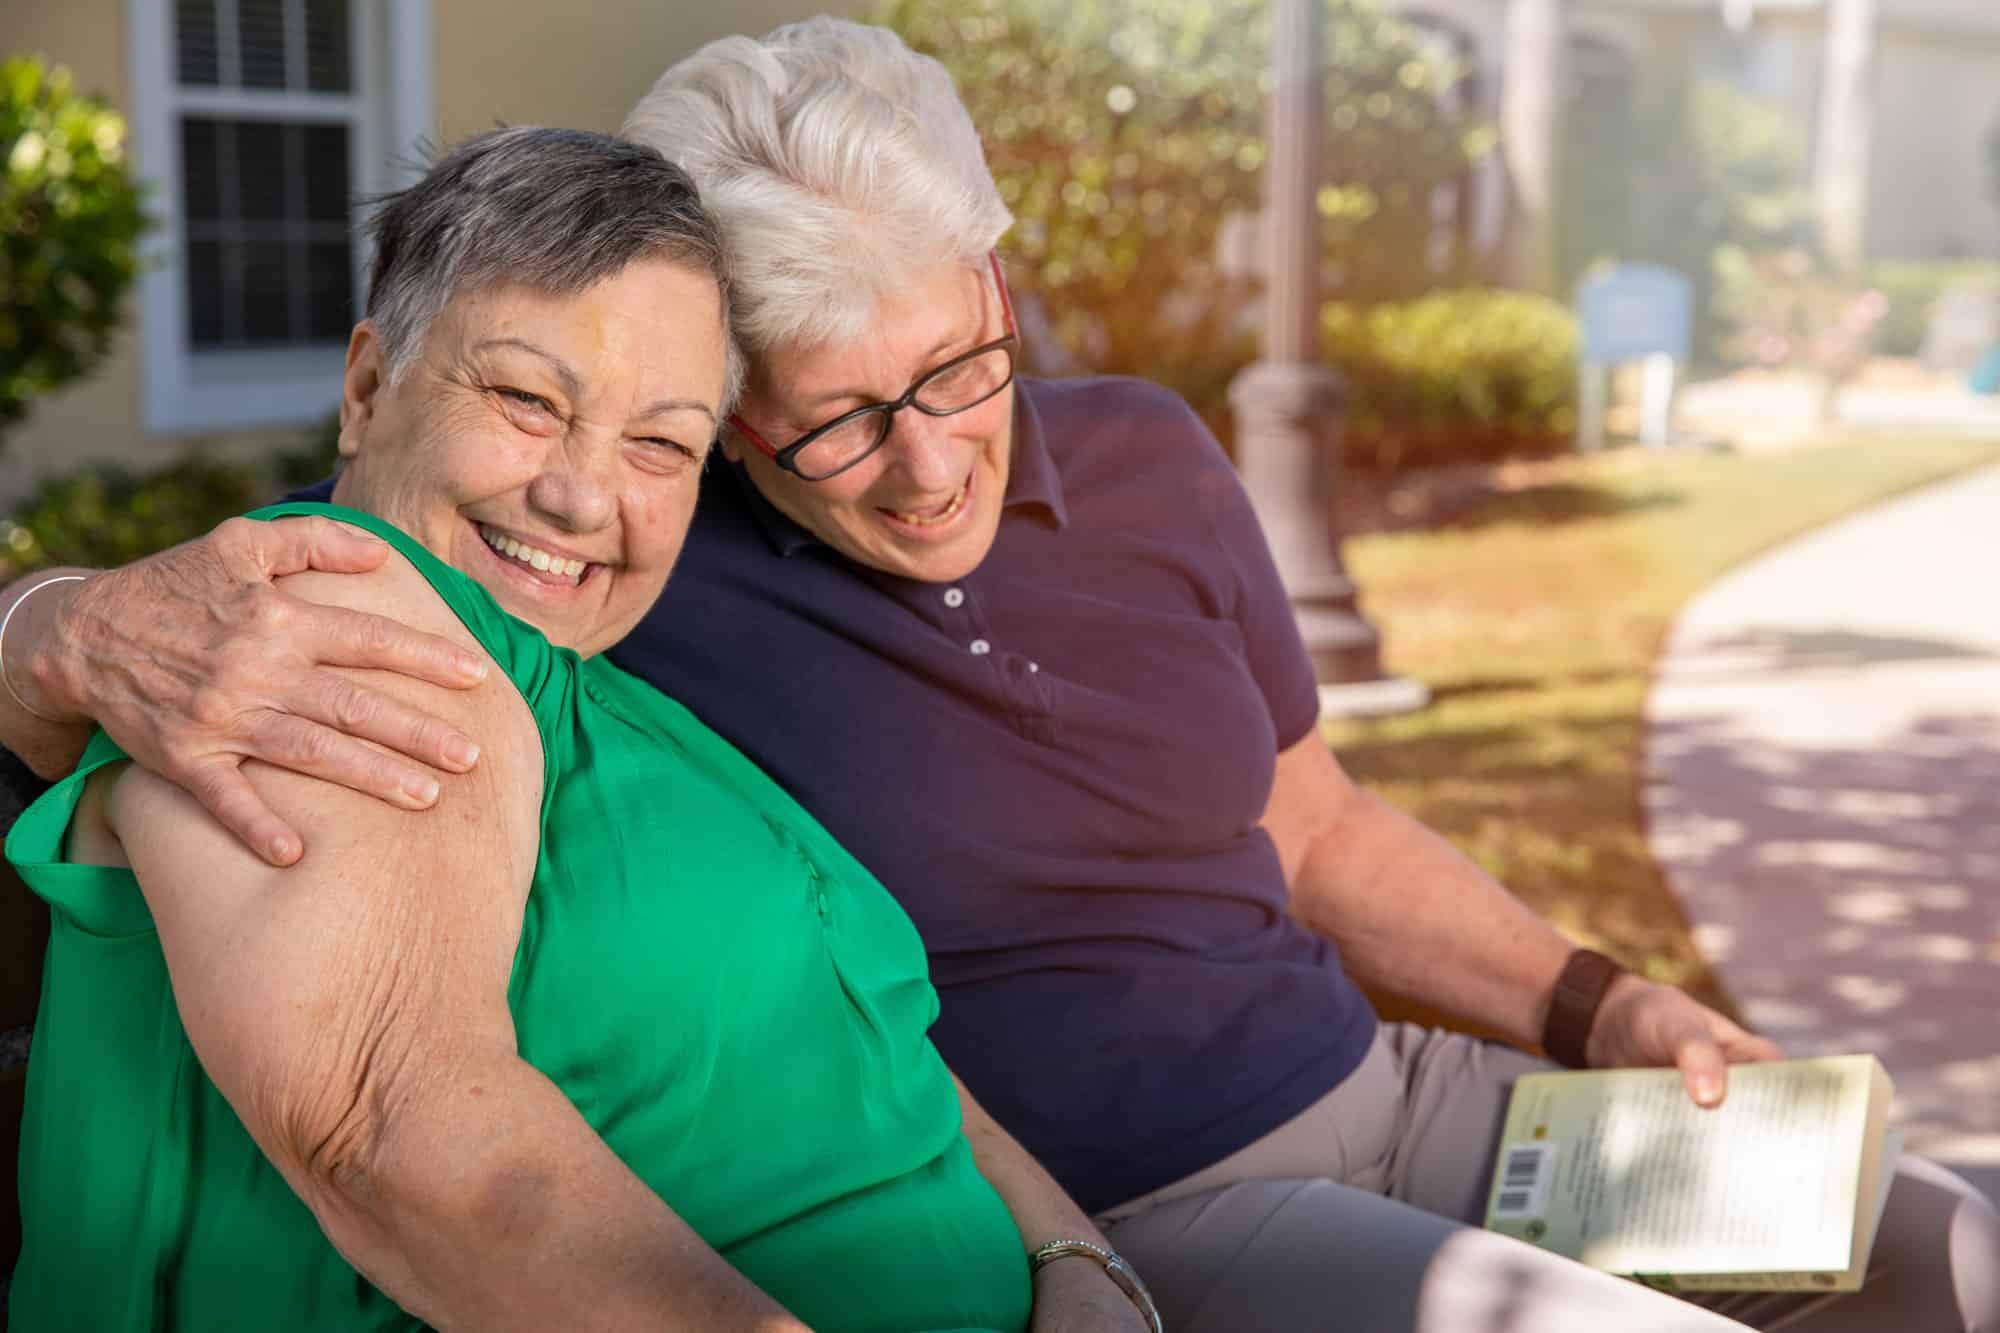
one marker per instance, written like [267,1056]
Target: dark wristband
[1573,1006]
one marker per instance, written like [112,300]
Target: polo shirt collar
[1032,481]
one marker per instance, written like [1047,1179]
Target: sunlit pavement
[1758,411]
[1823,793]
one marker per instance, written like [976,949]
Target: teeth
[949,512]
[528,555]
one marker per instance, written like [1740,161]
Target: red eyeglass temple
[1000,285]
[1006,310]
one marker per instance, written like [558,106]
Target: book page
[1621,1170]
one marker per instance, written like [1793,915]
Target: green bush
[107,516]
[70,221]
[1457,376]
[1913,288]
[1121,132]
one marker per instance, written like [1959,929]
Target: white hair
[840,163]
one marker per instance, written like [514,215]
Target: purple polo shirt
[1057,765]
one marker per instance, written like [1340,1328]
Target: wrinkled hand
[1643,1023]
[193,663]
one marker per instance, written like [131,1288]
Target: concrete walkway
[1764,411]
[1823,792]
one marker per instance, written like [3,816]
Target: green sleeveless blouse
[731,1001]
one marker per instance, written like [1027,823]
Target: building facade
[1933,104]
[256,124]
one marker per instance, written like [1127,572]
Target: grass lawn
[1535,617]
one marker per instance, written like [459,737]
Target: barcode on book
[1524,1180]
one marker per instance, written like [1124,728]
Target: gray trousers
[1361,1216]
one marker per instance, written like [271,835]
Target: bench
[24,939]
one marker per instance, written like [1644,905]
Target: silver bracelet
[7,620]
[1122,1274]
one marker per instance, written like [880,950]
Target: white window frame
[186,390]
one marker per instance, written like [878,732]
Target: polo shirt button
[954,598]
[1034,666]
[819,901]
[980,647]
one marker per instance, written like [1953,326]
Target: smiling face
[926,505]
[548,446]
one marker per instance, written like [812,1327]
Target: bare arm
[1412,915]
[361,1032]
[194,662]
[1071,1295]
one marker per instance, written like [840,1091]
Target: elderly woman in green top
[620,1038]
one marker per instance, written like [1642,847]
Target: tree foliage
[70,221]
[1122,132]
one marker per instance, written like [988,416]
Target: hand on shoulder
[229,648]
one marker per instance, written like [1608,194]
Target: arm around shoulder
[193,662]
[353,1010]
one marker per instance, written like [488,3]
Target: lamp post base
[1374,698]
[1287,429]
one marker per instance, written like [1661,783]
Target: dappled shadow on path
[1768,649]
[1848,892]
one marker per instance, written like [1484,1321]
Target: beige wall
[86,35]
[96,420]
[1935,104]
[579,64]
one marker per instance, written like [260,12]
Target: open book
[1779,1189]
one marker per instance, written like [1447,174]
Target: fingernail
[461,752]
[473,668]
[421,790]
[281,849]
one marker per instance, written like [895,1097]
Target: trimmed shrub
[70,221]
[1457,376]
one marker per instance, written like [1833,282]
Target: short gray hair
[839,162]
[556,210]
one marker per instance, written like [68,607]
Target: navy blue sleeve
[1263,610]
[320,492]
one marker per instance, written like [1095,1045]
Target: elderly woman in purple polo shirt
[1020,645]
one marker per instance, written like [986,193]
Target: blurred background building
[1535,139]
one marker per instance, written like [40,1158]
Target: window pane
[205,295]
[201,181]
[260,27]
[329,290]
[325,163]
[195,41]
[260,170]
[268,254]
[267,306]
[326,46]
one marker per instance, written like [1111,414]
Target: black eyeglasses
[960,384]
